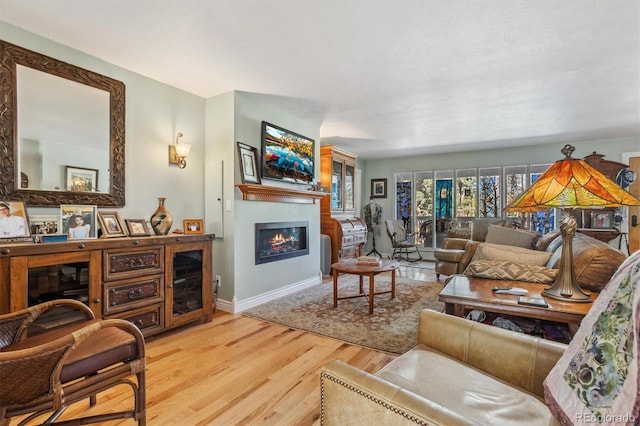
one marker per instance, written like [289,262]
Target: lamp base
[566,287]
[574,294]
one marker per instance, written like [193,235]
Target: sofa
[451,252]
[466,373]
[514,255]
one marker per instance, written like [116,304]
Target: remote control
[510,290]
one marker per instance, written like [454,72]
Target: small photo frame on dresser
[111,225]
[78,221]
[137,228]
[14,224]
[193,226]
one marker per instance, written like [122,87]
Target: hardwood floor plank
[235,370]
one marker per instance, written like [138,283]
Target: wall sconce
[178,152]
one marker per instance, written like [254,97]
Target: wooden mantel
[254,192]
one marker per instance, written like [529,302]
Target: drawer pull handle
[136,293]
[139,323]
[137,263]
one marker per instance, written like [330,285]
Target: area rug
[391,328]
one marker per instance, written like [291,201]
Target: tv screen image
[286,155]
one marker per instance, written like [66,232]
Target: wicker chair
[403,244]
[46,372]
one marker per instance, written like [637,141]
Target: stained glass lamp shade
[570,183]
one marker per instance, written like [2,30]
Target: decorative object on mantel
[252,192]
[567,184]
[161,219]
[178,152]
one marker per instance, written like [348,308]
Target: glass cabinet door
[187,282]
[336,185]
[349,174]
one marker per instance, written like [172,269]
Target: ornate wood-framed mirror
[15,59]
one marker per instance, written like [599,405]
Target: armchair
[403,244]
[47,372]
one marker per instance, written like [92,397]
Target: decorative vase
[161,219]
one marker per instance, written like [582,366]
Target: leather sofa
[454,376]
[594,261]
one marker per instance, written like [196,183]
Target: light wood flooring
[238,370]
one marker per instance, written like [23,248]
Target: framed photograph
[248,163]
[111,225]
[80,179]
[379,188]
[137,228]
[13,220]
[601,219]
[78,221]
[193,226]
[44,224]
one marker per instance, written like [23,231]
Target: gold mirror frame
[12,55]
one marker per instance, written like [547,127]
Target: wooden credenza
[157,282]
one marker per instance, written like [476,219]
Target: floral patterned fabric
[596,380]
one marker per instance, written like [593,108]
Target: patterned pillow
[511,271]
[510,236]
[596,379]
[486,251]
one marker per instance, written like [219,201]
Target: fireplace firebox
[281,240]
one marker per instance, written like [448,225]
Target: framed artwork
[248,163]
[137,228]
[111,225]
[78,221]
[379,188]
[193,226]
[80,179]
[13,220]
[601,219]
[44,224]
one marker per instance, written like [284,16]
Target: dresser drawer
[149,320]
[125,295]
[129,263]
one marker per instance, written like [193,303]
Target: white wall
[244,283]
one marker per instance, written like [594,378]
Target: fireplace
[281,240]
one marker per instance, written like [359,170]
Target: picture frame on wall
[379,188]
[193,226]
[78,221]
[137,228]
[80,179]
[111,225]
[248,157]
[14,223]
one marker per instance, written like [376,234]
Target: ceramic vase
[161,219]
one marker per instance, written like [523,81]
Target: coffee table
[465,293]
[350,267]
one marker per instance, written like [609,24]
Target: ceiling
[384,78]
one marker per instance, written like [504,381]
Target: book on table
[368,261]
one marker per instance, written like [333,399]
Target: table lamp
[568,184]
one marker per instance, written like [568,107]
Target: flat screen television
[287,156]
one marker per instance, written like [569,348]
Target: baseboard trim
[235,306]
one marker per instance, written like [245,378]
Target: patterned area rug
[392,327]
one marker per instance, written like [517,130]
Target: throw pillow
[510,236]
[487,251]
[511,271]
[596,379]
